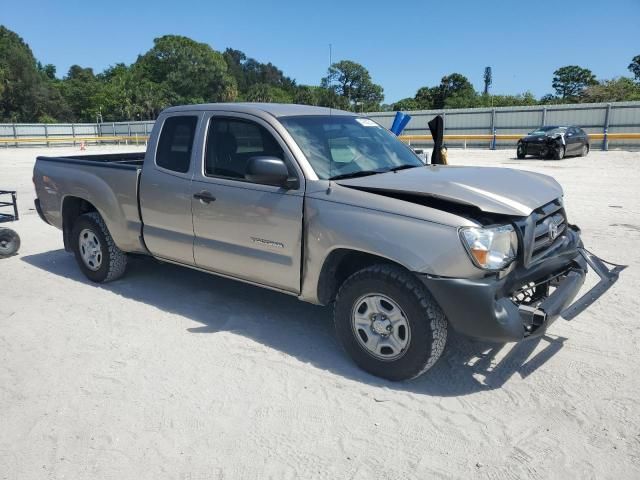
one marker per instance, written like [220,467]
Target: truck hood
[503,191]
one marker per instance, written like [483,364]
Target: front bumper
[532,148]
[488,309]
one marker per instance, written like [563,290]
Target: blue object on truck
[400,122]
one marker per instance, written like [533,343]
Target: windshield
[548,130]
[339,145]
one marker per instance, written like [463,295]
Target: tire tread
[433,312]
[117,258]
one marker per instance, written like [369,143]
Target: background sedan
[554,142]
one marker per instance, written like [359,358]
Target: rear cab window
[176,143]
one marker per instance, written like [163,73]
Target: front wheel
[520,152]
[9,242]
[96,253]
[558,152]
[387,321]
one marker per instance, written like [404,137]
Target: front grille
[549,226]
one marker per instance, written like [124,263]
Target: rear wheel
[520,152]
[585,150]
[388,322]
[96,253]
[9,242]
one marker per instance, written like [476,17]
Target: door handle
[204,197]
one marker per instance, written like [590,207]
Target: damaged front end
[548,147]
[541,286]
[539,303]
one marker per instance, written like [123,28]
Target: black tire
[520,152]
[427,323]
[113,260]
[9,242]
[558,152]
[585,150]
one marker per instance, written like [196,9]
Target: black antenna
[330,77]
[330,112]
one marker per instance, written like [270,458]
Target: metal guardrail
[128,140]
[142,139]
[487,127]
[492,139]
[517,136]
[614,122]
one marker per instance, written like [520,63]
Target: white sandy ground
[171,373]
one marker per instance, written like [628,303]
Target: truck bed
[129,161]
[108,182]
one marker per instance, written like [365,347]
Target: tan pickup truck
[330,207]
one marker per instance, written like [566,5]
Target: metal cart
[9,239]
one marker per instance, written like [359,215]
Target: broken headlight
[490,248]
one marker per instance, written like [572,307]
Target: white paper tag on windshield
[365,122]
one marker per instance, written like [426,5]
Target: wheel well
[340,265]
[72,208]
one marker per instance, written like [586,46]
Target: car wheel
[558,152]
[96,253]
[520,152]
[9,242]
[388,322]
[585,150]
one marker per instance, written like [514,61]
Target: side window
[176,143]
[231,143]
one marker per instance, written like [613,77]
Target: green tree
[454,91]
[21,82]
[235,60]
[634,67]
[249,72]
[48,70]
[425,97]
[352,82]
[615,90]
[405,104]
[570,82]
[263,92]
[550,99]
[81,90]
[192,71]
[306,95]
[526,98]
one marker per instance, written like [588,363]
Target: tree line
[178,70]
[572,84]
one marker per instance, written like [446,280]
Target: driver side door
[244,229]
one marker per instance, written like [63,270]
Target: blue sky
[405,45]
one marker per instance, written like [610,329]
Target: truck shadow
[302,330]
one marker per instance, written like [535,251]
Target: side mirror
[270,171]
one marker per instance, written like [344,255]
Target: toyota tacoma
[332,208]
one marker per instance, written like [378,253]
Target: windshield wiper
[363,173]
[401,167]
